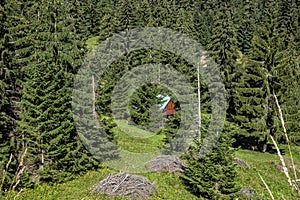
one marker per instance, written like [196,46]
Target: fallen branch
[18,194]
[20,170]
[266,185]
[5,171]
[285,134]
[284,168]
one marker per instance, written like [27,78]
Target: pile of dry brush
[126,185]
[241,163]
[167,163]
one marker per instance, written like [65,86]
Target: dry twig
[285,134]
[5,171]
[266,185]
[284,168]
[20,170]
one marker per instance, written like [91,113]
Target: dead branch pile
[248,193]
[241,163]
[288,163]
[167,163]
[279,167]
[126,185]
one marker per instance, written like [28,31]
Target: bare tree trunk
[199,103]
[265,147]
[94,96]
[94,102]
[21,168]
[202,62]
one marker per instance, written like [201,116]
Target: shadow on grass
[253,143]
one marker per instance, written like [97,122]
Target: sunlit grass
[170,187]
[264,163]
[128,140]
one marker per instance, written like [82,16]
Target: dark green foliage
[245,17]
[108,23]
[248,101]
[290,93]
[268,69]
[289,19]
[171,126]
[255,45]
[162,14]
[15,53]
[265,68]
[143,99]
[5,121]
[55,152]
[212,176]
[223,47]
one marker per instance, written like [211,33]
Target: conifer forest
[255,47]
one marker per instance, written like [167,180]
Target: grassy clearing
[137,151]
[170,187]
[133,130]
[264,163]
[76,189]
[129,141]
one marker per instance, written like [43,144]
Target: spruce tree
[212,176]
[162,14]
[246,15]
[289,19]
[143,13]
[15,55]
[203,13]
[55,152]
[265,73]
[289,93]
[223,47]
[5,121]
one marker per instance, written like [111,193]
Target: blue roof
[165,100]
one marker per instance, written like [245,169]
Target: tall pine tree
[266,72]
[55,152]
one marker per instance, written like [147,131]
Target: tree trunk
[264,150]
[264,147]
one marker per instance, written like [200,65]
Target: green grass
[136,139]
[264,164]
[136,151]
[169,186]
[133,130]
